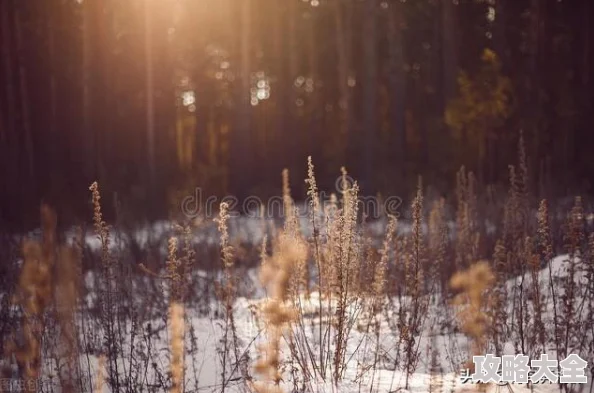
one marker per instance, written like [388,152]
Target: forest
[154,98]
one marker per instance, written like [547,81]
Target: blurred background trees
[154,98]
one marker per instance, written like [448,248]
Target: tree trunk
[241,133]
[88,135]
[369,95]
[537,12]
[343,74]
[26,121]
[499,33]
[289,102]
[282,88]
[397,88]
[449,49]
[149,88]
[52,87]
[587,49]
[10,132]
[313,123]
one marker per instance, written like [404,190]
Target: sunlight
[491,14]
[260,90]
[188,98]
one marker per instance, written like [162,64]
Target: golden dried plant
[473,283]
[35,293]
[277,313]
[176,343]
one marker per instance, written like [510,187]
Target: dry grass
[277,313]
[322,283]
[473,284]
[177,327]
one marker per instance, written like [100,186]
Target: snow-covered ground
[442,349]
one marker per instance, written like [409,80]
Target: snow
[363,372]
[203,334]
